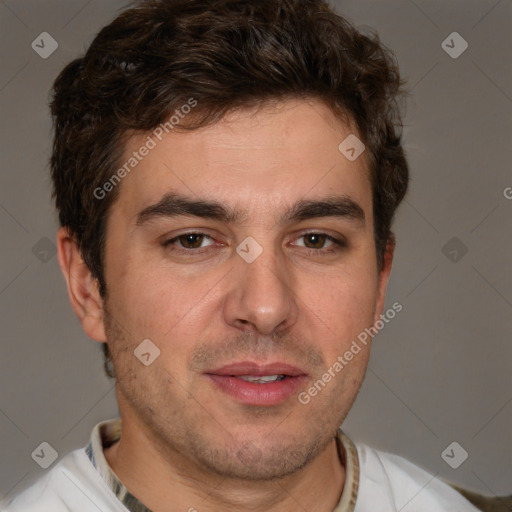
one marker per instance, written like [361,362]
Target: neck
[169,482]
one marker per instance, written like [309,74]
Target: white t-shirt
[375,482]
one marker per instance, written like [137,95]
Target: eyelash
[339,244]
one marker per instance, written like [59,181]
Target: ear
[83,288]
[383,278]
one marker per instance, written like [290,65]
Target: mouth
[262,385]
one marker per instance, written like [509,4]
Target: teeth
[262,378]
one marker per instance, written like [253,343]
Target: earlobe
[82,287]
[384,277]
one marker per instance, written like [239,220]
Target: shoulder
[401,485]
[71,485]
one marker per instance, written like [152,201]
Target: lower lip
[251,393]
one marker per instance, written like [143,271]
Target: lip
[227,380]
[251,368]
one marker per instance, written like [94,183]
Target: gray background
[439,372]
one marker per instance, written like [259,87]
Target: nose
[261,296]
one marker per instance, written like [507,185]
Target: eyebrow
[176,205]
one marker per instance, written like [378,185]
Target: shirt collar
[106,433]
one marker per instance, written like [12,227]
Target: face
[244,251]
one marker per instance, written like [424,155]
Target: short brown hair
[227,55]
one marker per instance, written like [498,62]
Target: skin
[185,443]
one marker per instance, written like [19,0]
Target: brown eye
[191,240]
[315,240]
[320,243]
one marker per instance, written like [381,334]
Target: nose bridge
[262,293]
[263,264]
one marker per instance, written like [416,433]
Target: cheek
[343,303]
[159,302]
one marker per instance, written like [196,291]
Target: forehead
[254,159]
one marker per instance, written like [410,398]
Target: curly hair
[227,55]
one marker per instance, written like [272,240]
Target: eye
[314,240]
[196,242]
[318,241]
[189,241]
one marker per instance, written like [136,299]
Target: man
[226,174]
